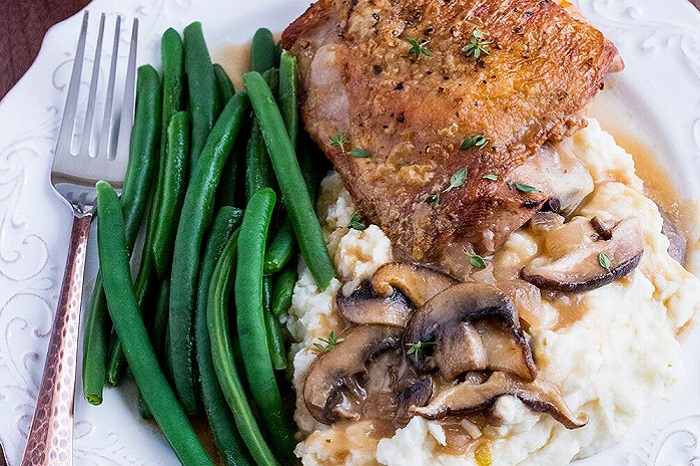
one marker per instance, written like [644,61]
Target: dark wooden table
[23,24]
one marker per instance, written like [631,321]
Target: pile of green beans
[213,174]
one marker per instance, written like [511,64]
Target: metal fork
[73,176]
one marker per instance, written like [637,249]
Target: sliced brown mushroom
[417,282]
[333,376]
[504,352]
[459,349]
[582,269]
[601,228]
[466,397]
[556,170]
[494,317]
[542,222]
[417,393]
[678,244]
[364,306]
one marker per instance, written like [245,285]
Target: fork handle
[50,440]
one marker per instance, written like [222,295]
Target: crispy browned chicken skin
[412,114]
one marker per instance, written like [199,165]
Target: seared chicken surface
[537,70]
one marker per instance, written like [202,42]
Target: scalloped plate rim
[672,135]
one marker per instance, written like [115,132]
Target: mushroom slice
[678,244]
[417,282]
[459,349]
[603,230]
[557,171]
[542,222]
[581,269]
[416,393]
[341,367]
[466,397]
[364,306]
[472,303]
[503,352]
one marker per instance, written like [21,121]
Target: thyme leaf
[356,222]
[339,141]
[478,140]
[477,45]
[414,349]
[525,188]
[418,48]
[327,344]
[360,153]
[457,179]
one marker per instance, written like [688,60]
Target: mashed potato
[612,352]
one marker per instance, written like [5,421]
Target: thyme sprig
[338,140]
[418,48]
[327,344]
[477,45]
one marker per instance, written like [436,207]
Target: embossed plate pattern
[660,88]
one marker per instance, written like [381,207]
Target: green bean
[112,249]
[173,63]
[312,167]
[96,344]
[222,355]
[224,86]
[143,147]
[283,245]
[272,78]
[202,88]
[281,249]
[174,184]
[258,173]
[144,291]
[251,322]
[157,334]
[134,200]
[228,191]
[143,408]
[291,182]
[168,356]
[195,218]
[278,52]
[263,51]
[222,424]
[288,95]
[174,83]
[160,320]
[275,339]
[283,290]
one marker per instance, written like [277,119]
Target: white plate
[660,88]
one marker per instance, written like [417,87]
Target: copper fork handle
[50,440]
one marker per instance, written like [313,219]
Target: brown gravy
[235,59]
[657,181]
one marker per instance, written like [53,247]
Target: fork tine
[127,116]
[109,97]
[90,113]
[68,121]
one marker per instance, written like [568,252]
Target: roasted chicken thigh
[401,103]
